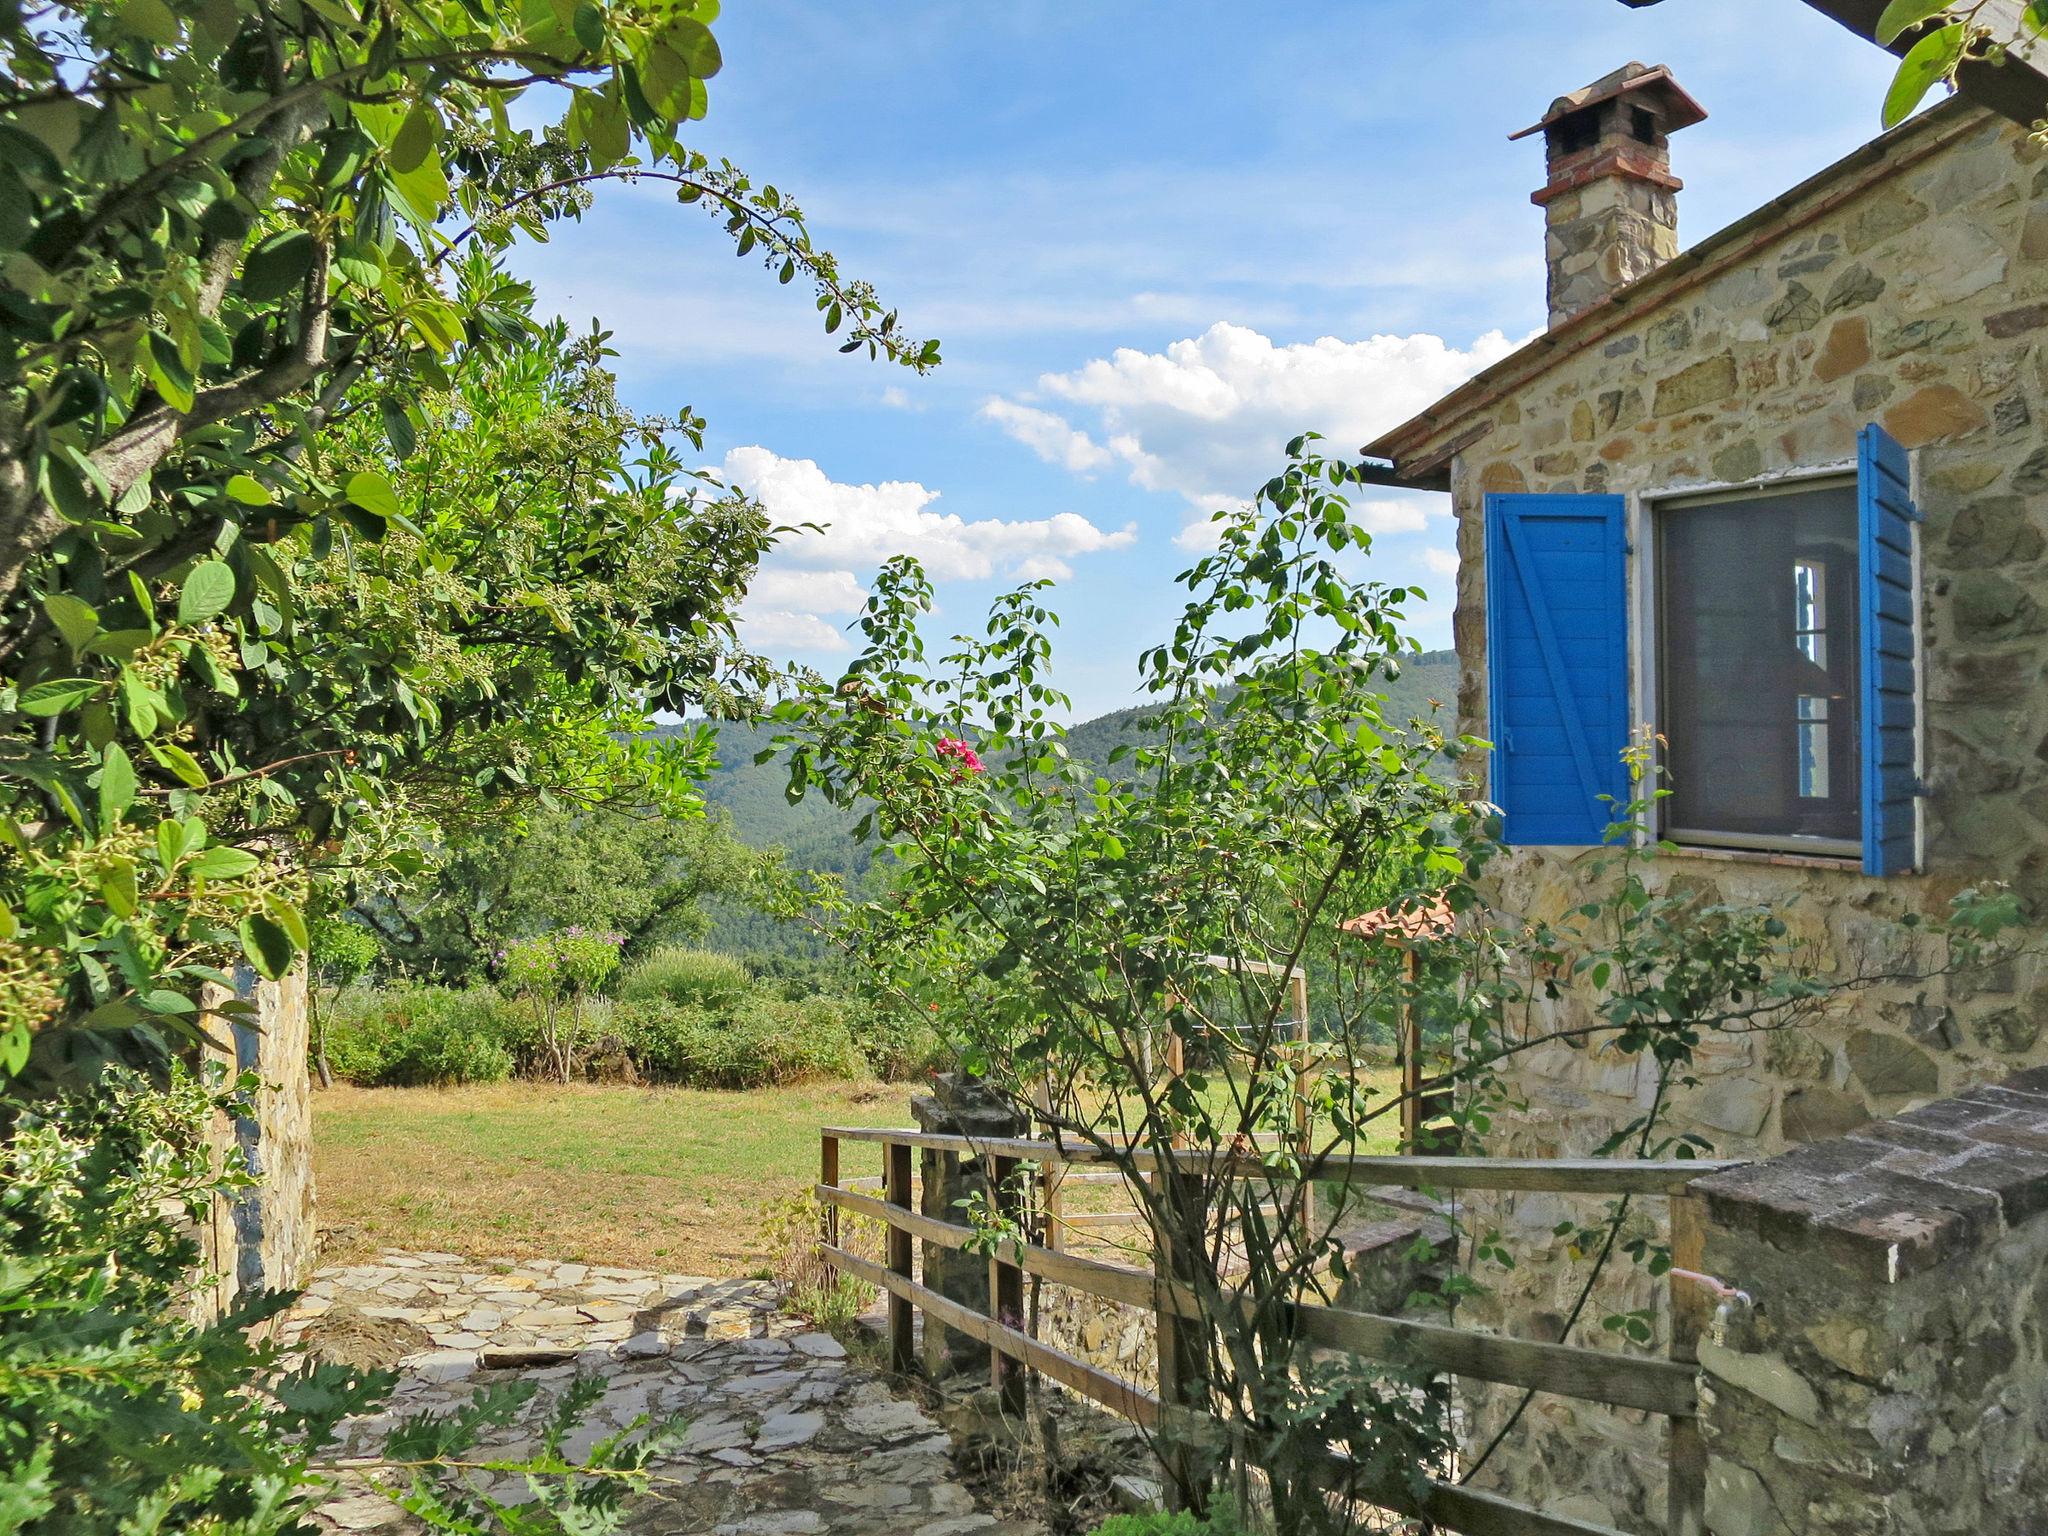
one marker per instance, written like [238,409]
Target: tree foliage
[645,875]
[1946,34]
[312,540]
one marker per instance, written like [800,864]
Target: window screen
[1757,684]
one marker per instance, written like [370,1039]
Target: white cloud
[820,570]
[781,632]
[1051,437]
[807,591]
[1443,561]
[1209,416]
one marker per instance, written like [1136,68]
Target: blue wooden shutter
[1890,714]
[1557,664]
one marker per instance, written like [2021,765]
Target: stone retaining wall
[1123,1340]
[1892,1373]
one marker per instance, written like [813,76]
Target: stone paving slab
[786,1436]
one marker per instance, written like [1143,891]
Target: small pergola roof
[1404,922]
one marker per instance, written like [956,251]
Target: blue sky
[1156,238]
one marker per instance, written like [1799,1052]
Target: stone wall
[1120,1339]
[1891,1373]
[1910,288]
[265,1237]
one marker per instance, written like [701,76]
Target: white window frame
[1643,508]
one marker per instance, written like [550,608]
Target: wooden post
[896,1182]
[1182,1341]
[1006,1293]
[828,1174]
[1304,1129]
[1690,1311]
[1052,1204]
[1411,1054]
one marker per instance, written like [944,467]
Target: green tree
[248,275]
[642,874]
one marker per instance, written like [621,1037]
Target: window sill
[1836,861]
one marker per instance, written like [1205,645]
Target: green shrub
[1221,1521]
[403,1037]
[898,1046]
[700,978]
[766,1042]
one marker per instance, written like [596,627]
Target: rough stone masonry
[1891,1374]
[1907,285]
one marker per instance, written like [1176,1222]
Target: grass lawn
[674,1179]
[660,1178]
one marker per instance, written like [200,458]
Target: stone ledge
[1902,1196]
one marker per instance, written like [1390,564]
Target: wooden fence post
[1304,1127]
[1411,1054]
[896,1181]
[1182,1342]
[828,1174]
[1690,1308]
[1006,1291]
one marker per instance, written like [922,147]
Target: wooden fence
[1661,1386]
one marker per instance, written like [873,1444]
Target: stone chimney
[1610,207]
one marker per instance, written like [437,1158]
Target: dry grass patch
[659,1178]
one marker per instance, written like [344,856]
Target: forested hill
[815,835]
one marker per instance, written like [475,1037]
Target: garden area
[367,640]
[676,1179]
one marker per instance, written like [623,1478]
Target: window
[1781,665]
[1757,686]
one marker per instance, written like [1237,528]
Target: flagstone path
[786,1436]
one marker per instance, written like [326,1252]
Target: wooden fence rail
[1665,1387]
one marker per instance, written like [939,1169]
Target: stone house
[1783,498]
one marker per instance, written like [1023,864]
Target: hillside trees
[249,292]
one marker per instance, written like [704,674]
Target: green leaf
[170,844]
[606,127]
[423,189]
[695,46]
[373,493]
[209,588]
[398,430]
[76,621]
[249,491]
[290,919]
[589,27]
[1930,60]
[117,785]
[268,946]
[180,762]
[1903,14]
[223,863]
[150,20]
[416,138]
[17,210]
[56,696]
[118,888]
[136,704]
[2035,17]
[277,266]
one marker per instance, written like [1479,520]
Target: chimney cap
[1652,82]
